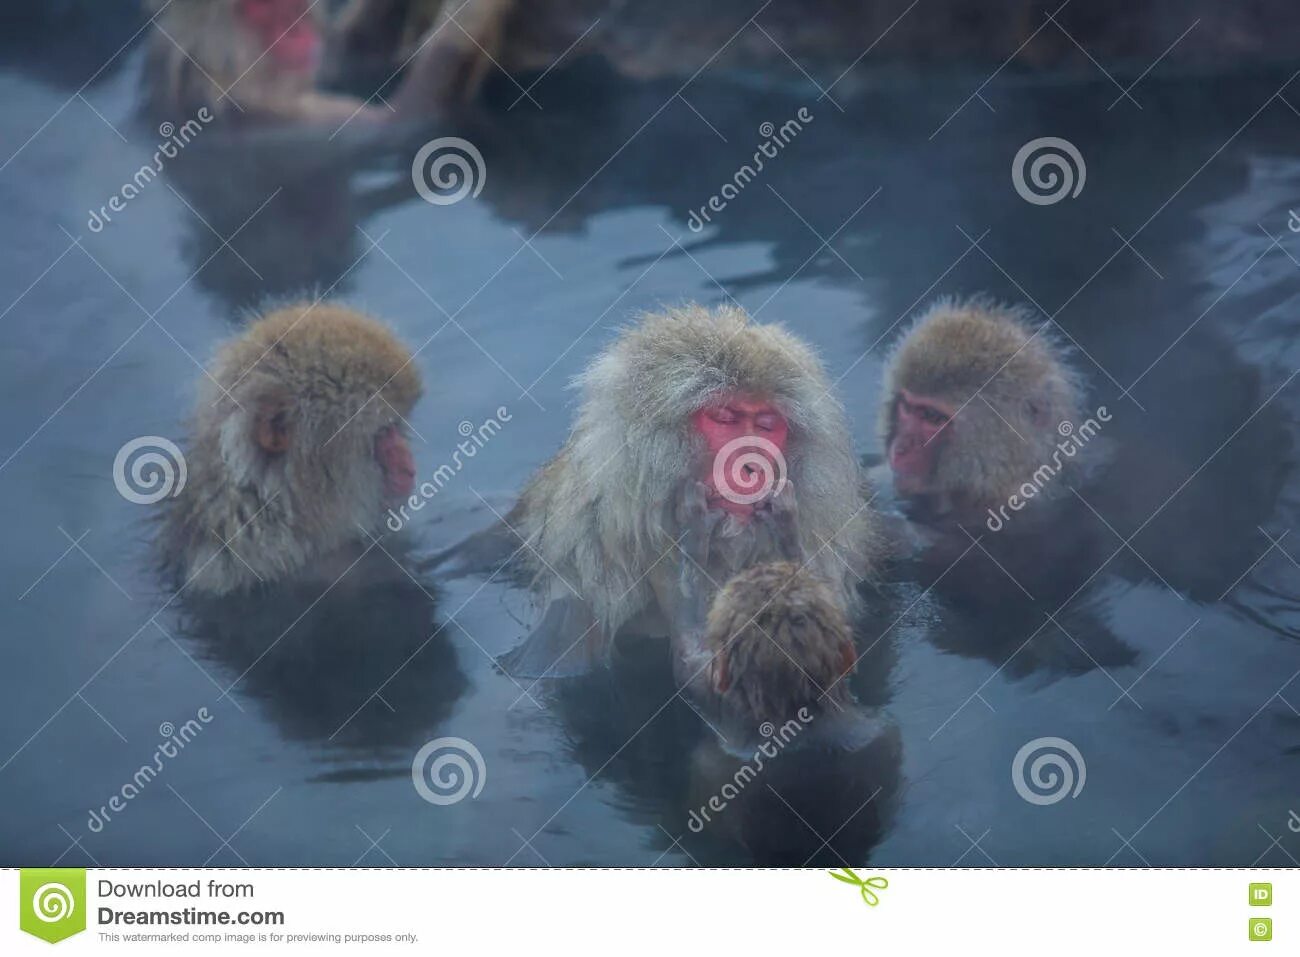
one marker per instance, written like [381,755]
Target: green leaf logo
[868,887]
[52,902]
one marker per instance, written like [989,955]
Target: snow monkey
[296,450]
[774,642]
[985,437]
[247,60]
[978,404]
[688,402]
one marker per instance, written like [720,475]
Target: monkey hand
[779,514]
[697,521]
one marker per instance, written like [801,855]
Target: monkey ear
[271,430]
[721,676]
[848,657]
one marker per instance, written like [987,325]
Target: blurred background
[1171,260]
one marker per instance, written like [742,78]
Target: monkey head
[779,641]
[285,29]
[216,53]
[693,395]
[974,397]
[298,445]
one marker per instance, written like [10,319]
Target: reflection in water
[364,670]
[1189,767]
[806,793]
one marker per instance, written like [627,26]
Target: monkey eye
[765,421]
[932,416]
[722,415]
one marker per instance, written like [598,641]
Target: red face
[286,30]
[755,459]
[394,457]
[918,432]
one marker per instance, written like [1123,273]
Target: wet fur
[600,516]
[976,351]
[779,636]
[283,514]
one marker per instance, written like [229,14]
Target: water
[864,215]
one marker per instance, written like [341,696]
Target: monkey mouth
[299,48]
[911,463]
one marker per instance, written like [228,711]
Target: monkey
[976,400]
[297,447]
[248,61]
[775,638]
[977,421]
[450,47]
[688,398]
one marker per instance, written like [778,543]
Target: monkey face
[919,430]
[744,459]
[286,30]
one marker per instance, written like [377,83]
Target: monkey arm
[451,62]
[691,594]
[780,515]
[567,642]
